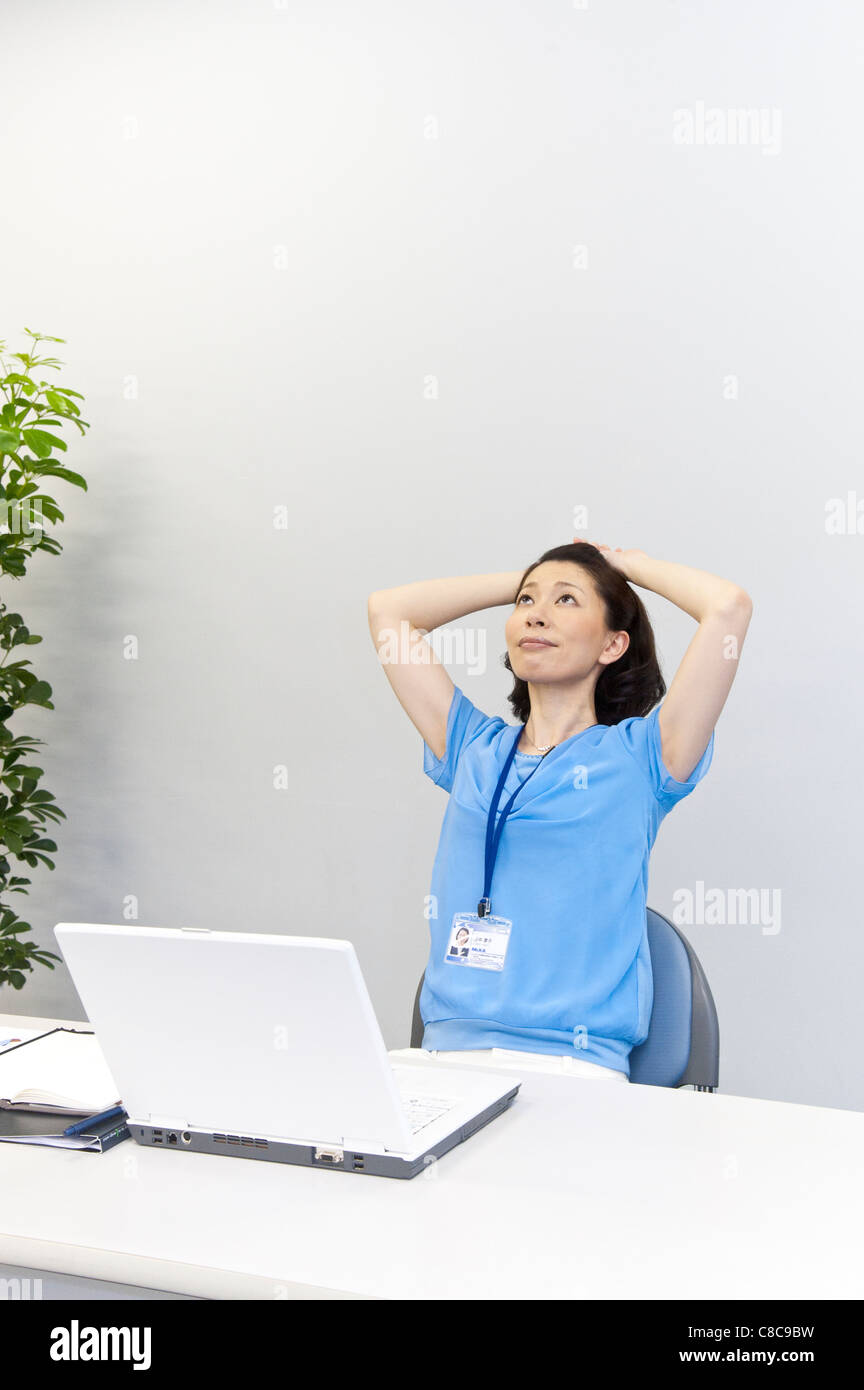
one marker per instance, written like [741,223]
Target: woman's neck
[555,716]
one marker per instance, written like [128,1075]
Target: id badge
[478,942]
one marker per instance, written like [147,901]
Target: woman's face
[559,608]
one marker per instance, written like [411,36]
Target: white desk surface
[580,1190]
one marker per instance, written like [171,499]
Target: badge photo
[459,945]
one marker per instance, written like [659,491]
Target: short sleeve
[464,722]
[641,738]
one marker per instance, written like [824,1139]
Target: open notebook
[61,1072]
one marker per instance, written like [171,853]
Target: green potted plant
[30,414]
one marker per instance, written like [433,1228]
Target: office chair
[683,1043]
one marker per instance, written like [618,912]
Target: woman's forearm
[696,591]
[430,603]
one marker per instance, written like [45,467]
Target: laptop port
[359,1163]
[186,1137]
[330,1156]
[172,1138]
[157,1139]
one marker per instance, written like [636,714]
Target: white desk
[580,1190]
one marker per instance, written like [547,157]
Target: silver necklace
[547,749]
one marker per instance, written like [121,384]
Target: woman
[550,879]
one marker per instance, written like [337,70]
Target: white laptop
[265,1046]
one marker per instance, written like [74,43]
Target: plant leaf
[39,693]
[57,471]
[42,443]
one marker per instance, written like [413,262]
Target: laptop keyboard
[422,1110]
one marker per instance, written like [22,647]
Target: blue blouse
[571,875]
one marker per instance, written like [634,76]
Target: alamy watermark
[20,1289]
[453,646]
[77,1343]
[727,907]
[759,127]
[21,517]
[844,516]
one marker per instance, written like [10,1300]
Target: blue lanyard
[493,836]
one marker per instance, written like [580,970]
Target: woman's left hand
[619,559]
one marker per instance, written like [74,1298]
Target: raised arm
[400,618]
[702,682]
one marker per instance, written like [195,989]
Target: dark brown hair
[633,684]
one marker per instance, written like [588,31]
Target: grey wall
[430,278]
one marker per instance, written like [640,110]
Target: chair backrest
[683,1043]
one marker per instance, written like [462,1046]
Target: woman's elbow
[738,601]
